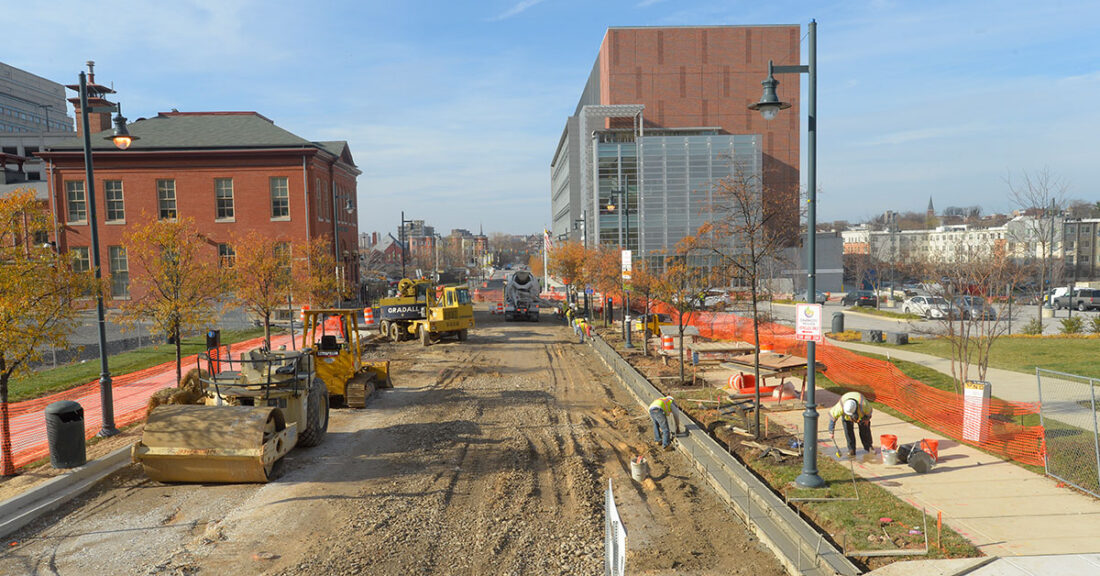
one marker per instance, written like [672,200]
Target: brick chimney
[97,121]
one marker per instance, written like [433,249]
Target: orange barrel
[888,442]
[302,315]
[368,316]
[500,307]
[666,343]
[932,447]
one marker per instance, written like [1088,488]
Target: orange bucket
[888,442]
[932,447]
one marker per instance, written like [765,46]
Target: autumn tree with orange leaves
[38,289]
[567,261]
[177,284]
[315,278]
[262,281]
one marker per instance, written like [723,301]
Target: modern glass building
[669,185]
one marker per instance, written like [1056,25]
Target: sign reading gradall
[807,322]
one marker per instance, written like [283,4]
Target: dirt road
[489,457]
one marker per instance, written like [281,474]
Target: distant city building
[33,115]
[1082,256]
[664,116]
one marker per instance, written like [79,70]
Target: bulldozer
[252,412]
[332,335]
[418,311]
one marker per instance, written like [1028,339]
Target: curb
[18,511]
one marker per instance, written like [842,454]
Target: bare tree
[1042,193]
[743,240]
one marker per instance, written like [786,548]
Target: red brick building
[680,81]
[232,172]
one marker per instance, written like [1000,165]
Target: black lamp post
[623,194]
[583,223]
[122,139]
[770,105]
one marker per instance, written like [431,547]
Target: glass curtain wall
[618,179]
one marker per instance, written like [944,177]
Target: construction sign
[807,323]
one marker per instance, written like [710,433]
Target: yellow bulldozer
[332,334]
[251,413]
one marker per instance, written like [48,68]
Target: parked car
[972,308]
[928,306]
[819,297]
[860,298]
[1081,299]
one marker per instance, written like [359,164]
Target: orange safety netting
[130,394]
[883,382]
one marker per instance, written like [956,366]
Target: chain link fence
[1067,412]
[614,541]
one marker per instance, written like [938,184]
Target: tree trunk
[7,467]
[179,354]
[267,330]
[756,359]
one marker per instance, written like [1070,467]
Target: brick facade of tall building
[690,81]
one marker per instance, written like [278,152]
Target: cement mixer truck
[521,296]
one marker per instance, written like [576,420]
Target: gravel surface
[488,457]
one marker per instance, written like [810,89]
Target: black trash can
[838,322]
[65,434]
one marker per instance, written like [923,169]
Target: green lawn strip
[45,382]
[1073,355]
[1071,454]
[854,525]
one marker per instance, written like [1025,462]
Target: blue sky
[453,109]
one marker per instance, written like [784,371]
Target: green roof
[205,130]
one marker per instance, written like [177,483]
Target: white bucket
[639,470]
[889,457]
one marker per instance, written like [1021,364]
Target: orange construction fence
[130,394]
[884,383]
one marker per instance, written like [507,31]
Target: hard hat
[850,407]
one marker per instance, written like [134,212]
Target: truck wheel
[316,415]
[384,328]
[462,335]
[425,336]
[395,332]
[1081,307]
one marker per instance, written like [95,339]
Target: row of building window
[119,267]
[32,118]
[76,199]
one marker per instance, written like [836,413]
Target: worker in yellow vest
[853,409]
[659,411]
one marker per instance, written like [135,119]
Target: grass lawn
[1023,354]
[45,382]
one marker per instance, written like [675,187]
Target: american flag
[546,241]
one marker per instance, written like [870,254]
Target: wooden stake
[766,421]
[939,529]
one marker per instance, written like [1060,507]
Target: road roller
[251,413]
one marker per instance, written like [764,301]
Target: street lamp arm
[801,69]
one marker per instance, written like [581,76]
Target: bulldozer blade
[381,371]
[206,444]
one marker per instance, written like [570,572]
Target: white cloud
[515,10]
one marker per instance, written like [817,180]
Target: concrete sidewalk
[1002,508]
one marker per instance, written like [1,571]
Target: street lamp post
[122,140]
[770,105]
[583,222]
[624,244]
[401,235]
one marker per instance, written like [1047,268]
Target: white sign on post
[975,409]
[626,265]
[807,323]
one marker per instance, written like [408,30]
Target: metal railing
[1067,412]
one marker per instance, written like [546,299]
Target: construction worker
[582,328]
[659,411]
[853,408]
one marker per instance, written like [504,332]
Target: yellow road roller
[252,413]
